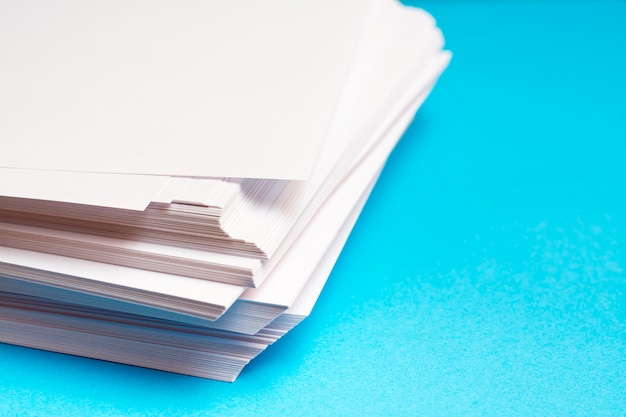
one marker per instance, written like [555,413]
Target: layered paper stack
[177,179]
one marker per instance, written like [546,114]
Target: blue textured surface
[486,274]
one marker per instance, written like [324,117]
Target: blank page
[212,88]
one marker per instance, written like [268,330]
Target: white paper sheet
[131,192]
[116,281]
[213,89]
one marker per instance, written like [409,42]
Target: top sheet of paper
[195,88]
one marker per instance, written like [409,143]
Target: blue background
[486,273]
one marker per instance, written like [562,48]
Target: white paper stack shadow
[177,179]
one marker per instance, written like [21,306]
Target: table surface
[486,273]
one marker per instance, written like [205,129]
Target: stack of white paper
[177,179]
